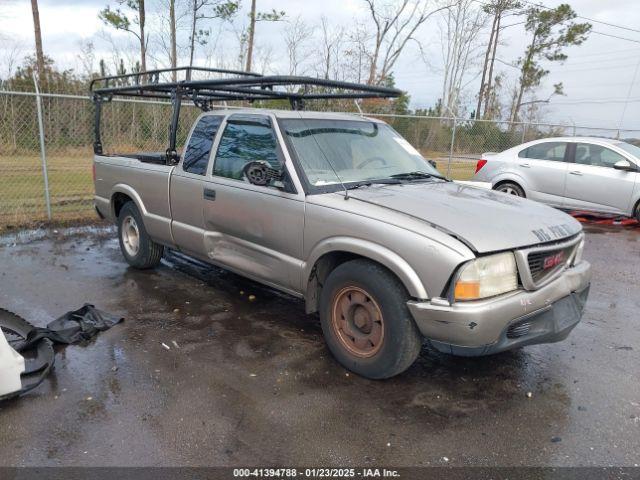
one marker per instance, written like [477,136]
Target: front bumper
[508,321]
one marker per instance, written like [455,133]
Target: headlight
[487,276]
[577,258]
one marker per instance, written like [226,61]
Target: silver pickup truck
[341,211]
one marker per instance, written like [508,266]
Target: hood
[483,219]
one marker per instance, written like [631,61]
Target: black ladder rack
[221,85]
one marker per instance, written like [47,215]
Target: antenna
[346,190]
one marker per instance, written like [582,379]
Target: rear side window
[196,156]
[553,151]
[246,138]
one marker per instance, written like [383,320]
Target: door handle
[525,165]
[576,172]
[209,194]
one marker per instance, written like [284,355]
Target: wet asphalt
[251,382]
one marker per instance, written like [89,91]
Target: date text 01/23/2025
[315,473]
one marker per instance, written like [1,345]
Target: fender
[365,248]
[157,226]
[131,193]
[512,177]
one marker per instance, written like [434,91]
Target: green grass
[22,200]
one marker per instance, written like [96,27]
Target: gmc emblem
[553,260]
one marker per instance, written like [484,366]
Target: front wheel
[510,188]
[135,243]
[366,322]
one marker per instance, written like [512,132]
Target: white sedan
[571,173]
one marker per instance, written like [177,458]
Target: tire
[365,291]
[637,212]
[137,247]
[510,188]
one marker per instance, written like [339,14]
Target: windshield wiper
[368,183]
[417,175]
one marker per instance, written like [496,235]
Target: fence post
[524,132]
[453,139]
[43,153]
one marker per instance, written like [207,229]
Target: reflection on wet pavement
[242,382]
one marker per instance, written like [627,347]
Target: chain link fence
[46,147]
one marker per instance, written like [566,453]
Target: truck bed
[144,181]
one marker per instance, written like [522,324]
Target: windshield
[334,151]
[628,147]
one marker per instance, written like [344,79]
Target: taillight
[480,164]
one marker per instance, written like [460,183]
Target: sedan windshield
[335,151]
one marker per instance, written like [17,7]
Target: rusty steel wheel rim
[357,321]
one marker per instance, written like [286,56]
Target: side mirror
[625,166]
[262,173]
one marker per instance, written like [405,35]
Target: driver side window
[246,139]
[596,155]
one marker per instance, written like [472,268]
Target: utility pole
[252,29]
[38,35]
[172,26]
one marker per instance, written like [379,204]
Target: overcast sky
[597,77]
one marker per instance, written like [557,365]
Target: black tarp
[72,327]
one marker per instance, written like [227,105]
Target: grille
[543,264]
[518,330]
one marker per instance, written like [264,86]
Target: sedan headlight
[487,276]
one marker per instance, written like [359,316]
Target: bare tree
[38,37]
[120,21]
[498,9]
[12,51]
[263,58]
[328,55]
[86,57]
[459,30]
[395,24]
[208,10]
[167,41]
[254,17]
[296,35]
[357,57]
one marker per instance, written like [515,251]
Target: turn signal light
[480,164]
[467,290]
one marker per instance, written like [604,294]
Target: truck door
[252,229]
[187,181]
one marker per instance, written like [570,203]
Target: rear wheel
[137,247]
[637,213]
[510,188]
[366,322]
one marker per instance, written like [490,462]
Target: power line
[581,102]
[615,36]
[633,81]
[588,19]
[608,67]
[599,54]
[570,63]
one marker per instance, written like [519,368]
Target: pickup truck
[342,212]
